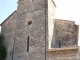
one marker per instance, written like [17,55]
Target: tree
[2,49]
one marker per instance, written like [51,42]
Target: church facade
[33,33]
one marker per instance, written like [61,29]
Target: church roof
[7,18]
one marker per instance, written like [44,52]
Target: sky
[6,8]
[66,9]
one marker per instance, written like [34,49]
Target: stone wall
[30,30]
[51,22]
[29,40]
[71,54]
[8,31]
[77,32]
[65,33]
[66,37]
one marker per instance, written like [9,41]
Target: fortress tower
[31,38]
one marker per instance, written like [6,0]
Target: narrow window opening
[59,44]
[28,44]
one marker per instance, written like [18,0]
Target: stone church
[32,33]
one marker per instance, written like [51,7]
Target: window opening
[59,44]
[28,44]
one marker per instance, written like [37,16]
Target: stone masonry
[30,30]
[66,43]
[8,31]
[65,33]
[33,33]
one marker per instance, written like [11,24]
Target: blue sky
[66,9]
[6,8]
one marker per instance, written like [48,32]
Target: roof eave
[7,18]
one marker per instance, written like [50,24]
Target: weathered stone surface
[8,31]
[29,33]
[30,11]
[64,55]
[65,33]
[77,32]
[51,22]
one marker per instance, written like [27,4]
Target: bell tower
[34,29]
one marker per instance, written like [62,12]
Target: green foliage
[2,49]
